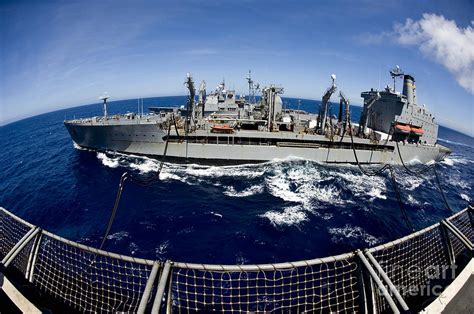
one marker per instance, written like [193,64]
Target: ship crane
[192,93]
[201,98]
[323,110]
[344,100]
[364,119]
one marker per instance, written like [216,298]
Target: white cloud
[443,41]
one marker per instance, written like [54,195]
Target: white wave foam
[452,142]
[162,248]
[107,161]
[456,159]
[448,161]
[133,248]
[252,190]
[290,216]
[412,200]
[360,184]
[455,180]
[217,214]
[465,197]
[118,236]
[410,183]
[352,232]
[76,146]
[147,166]
[303,185]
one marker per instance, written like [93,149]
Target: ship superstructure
[221,127]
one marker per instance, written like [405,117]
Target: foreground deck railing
[389,277]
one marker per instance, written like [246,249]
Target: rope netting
[87,279]
[462,221]
[327,286]
[411,262]
[12,229]
[92,280]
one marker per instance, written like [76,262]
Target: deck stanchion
[455,231]
[19,246]
[379,283]
[389,282]
[148,288]
[35,256]
[161,288]
[32,255]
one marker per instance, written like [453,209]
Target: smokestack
[409,89]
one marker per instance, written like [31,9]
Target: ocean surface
[281,210]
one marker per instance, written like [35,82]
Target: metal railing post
[389,282]
[366,291]
[35,257]
[379,283]
[161,288]
[32,255]
[169,297]
[448,244]
[148,288]
[470,214]
[458,234]
[20,246]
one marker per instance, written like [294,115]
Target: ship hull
[245,146]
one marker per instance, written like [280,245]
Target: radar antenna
[104,97]
[252,88]
[394,73]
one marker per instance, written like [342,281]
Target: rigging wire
[423,172]
[137,180]
[378,172]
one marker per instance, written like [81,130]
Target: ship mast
[396,72]
[104,97]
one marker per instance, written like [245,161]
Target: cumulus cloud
[443,41]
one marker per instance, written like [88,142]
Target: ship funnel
[409,89]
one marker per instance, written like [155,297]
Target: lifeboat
[402,128]
[417,130]
[222,128]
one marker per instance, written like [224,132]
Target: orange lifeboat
[417,130]
[402,128]
[222,128]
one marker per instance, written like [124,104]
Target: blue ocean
[281,210]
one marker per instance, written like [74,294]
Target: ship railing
[386,278]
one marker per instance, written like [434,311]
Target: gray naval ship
[223,128]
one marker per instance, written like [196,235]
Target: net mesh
[327,287]
[106,282]
[462,221]
[11,231]
[412,263]
[89,282]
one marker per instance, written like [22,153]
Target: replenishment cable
[378,172]
[137,180]
[423,172]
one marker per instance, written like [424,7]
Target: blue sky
[58,54]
